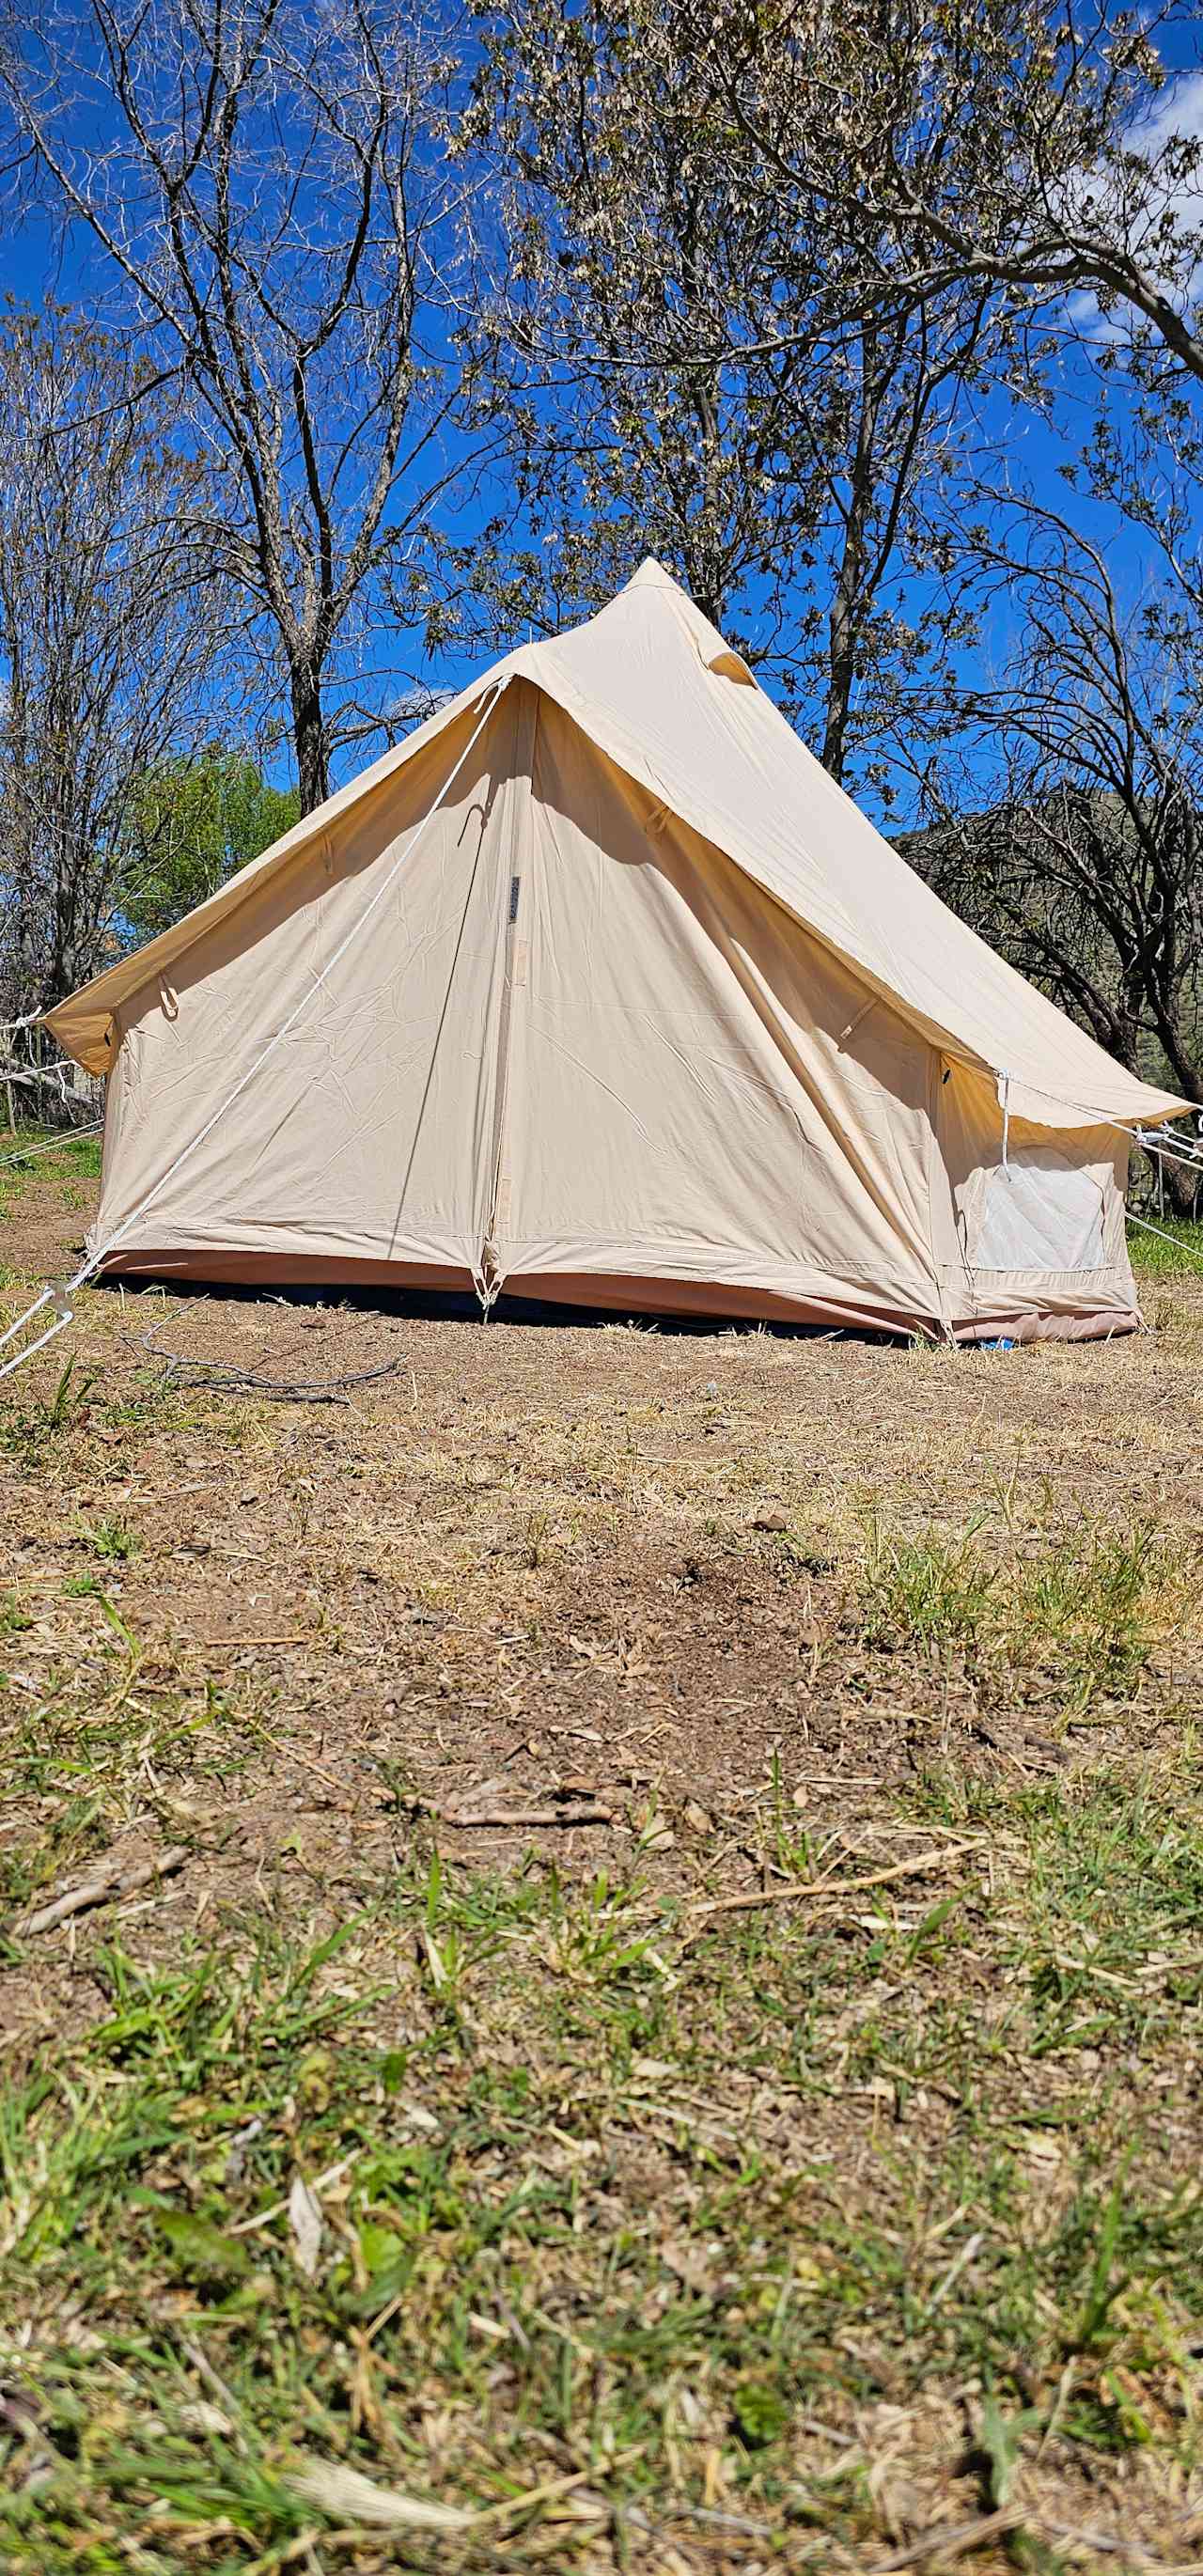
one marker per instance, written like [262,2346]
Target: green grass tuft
[1085,1604]
[1181,1250]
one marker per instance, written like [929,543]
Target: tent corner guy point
[598,989]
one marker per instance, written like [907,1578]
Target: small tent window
[1040,1212]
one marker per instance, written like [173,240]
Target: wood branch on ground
[795,1891]
[111,1880]
[462,1818]
[952,2539]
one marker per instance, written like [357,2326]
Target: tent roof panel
[655,686]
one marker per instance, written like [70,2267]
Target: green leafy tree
[1085,866]
[192,823]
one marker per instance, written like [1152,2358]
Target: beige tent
[597,989]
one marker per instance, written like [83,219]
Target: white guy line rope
[52,1144]
[60,1296]
[1184,1250]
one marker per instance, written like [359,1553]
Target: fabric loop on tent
[856,1020]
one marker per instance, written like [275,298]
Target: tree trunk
[309,738]
[841,669]
[848,604]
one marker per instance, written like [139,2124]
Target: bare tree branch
[268,188]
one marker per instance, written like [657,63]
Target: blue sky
[35,265]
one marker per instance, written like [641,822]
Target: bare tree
[627,263]
[107,640]
[1052,158]
[264,183]
[682,376]
[1086,863]
[888,443]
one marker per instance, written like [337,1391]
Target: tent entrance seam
[519,843]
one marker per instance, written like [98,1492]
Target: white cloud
[1178,110]
[1101,199]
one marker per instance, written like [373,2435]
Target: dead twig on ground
[961,2539]
[794,1891]
[293,1753]
[502,1817]
[109,1882]
[951,2540]
[707,2517]
[344,2491]
[205,2371]
[236,1645]
[1112,2544]
[222,1377]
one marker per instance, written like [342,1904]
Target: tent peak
[651,569]
[713,647]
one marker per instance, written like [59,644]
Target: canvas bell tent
[597,989]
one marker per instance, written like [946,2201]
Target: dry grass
[853,2227]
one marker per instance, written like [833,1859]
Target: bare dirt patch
[795,2164]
